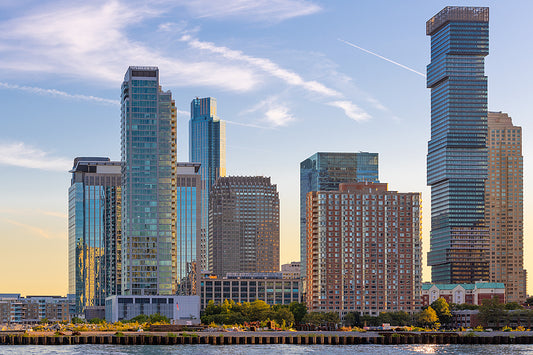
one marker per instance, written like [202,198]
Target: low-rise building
[270,287]
[291,271]
[179,309]
[463,293]
[33,309]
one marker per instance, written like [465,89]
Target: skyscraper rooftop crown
[456,14]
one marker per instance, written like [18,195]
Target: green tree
[96,321]
[529,301]
[427,317]
[76,320]
[299,310]
[352,319]
[283,314]
[492,312]
[513,305]
[158,318]
[442,309]
[141,318]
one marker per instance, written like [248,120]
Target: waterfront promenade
[267,337]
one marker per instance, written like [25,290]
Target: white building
[179,309]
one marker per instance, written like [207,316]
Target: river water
[269,349]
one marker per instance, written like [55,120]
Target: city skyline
[271,113]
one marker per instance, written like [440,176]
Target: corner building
[457,151]
[207,146]
[94,231]
[363,250]
[504,208]
[148,149]
[243,225]
[324,171]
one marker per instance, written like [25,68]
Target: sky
[291,78]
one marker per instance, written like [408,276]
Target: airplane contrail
[382,57]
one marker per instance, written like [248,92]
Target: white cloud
[351,110]
[263,64]
[57,93]
[251,10]
[90,41]
[22,155]
[36,230]
[276,114]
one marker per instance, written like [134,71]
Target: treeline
[230,312]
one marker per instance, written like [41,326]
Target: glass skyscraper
[324,172]
[148,149]
[94,231]
[188,227]
[207,146]
[457,151]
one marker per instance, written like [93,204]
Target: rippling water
[269,349]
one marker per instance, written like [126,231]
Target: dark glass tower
[207,146]
[457,152]
[324,172]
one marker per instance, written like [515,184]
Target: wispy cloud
[382,57]
[39,231]
[22,155]
[58,93]
[251,10]
[90,41]
[351,110]
[263,64]
[276,114]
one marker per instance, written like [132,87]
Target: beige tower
[504,206]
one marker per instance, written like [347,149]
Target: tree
[299,310]
[442,309]
[491,312]
[283,314]
[96,321]
[352,319]
[77,320]
[513,305]
[529,301]
[427,317]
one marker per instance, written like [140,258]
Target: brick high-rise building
[243,225]
[504,206]
[363,250]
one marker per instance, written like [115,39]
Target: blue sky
[284,77]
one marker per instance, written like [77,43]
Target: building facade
[243,225]
[463,293]
[207,146]
[33,309]
[188,227]
[504,206]
[270,287]
[184,310]
[457,151]
[291,271]
[363,250]
[324,171]
[148,151]
[94,231]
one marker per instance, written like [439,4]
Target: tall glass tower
[324,172]
[457,152]
[94,231]
[188,228]
[148,148]
[207,146]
